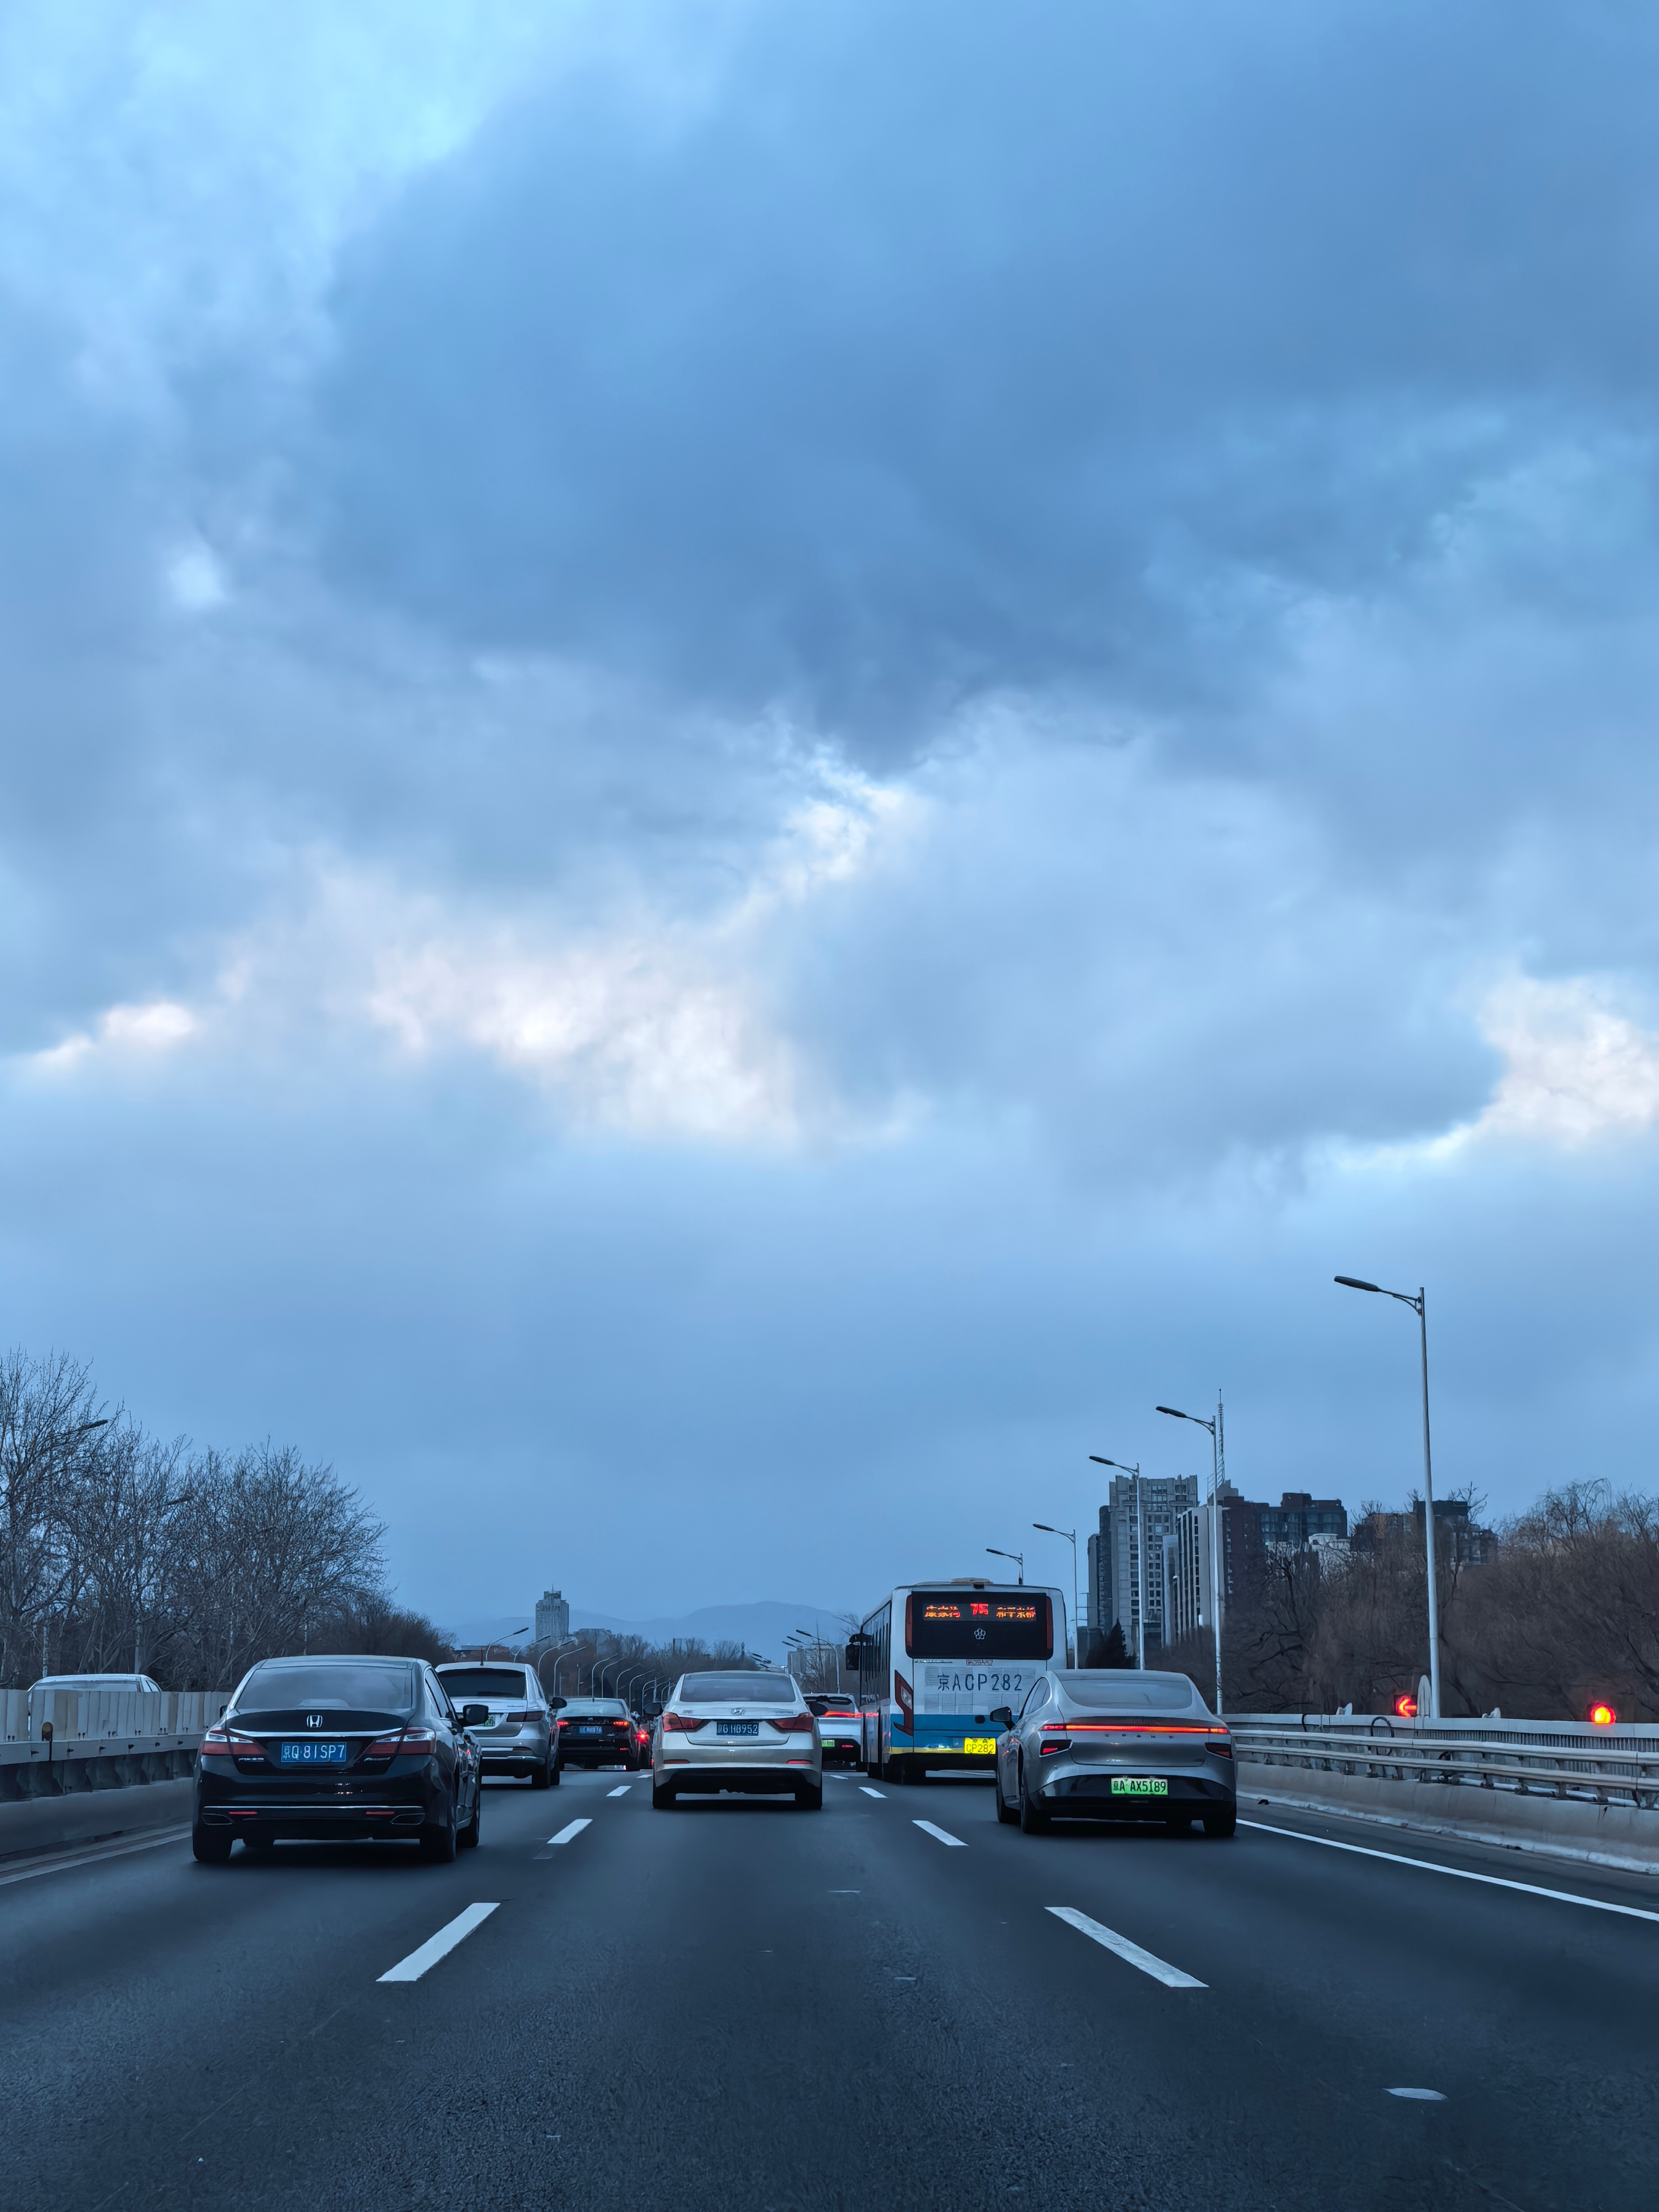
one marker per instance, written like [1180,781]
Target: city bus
[934,1658]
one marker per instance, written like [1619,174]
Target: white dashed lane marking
[1424,2096]
[869,1792]
[1171,1977]
[623,1792]
[438,1946]
[568,1835]
[943,1835]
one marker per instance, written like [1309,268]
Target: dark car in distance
[598,1732]
[332,1750]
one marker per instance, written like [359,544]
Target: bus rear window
[978,1625]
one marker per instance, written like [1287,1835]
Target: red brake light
[622,1724]
[413,1743]
[1220,1747]
[226,1743]
[517,1720]
[1602,1716]
[1405,1706]
[793,1724]
[672,1721]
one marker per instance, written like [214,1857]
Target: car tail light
[672,1721]
[225,1743]
[1220,1747]
[564,1724]
[793,1723]
[517,1720]
[414,1742]
[621,1725]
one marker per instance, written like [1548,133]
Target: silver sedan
[742,1731]
[1099,1744]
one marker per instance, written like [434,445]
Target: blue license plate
[590,1731]
[312,1753]
[737,1727]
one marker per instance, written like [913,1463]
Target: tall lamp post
[1070,1534]
[1420,1308]
[1140,1549]
[1217,1464]
[1019,1558]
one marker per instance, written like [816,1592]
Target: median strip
[943,1835]
[438,1946]
[1171,1977]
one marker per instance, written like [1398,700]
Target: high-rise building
[1114,1554]
[552,1619]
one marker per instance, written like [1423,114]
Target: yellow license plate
[979,1743]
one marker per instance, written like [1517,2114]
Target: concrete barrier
[100,1740]
[45,1824]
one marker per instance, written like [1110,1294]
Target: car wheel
[662,1799]
[438,1843]
[1221,1824]
[1005,1814]
[555,1769]
[210,1845]
[468,1838]
[1033,1817]
[810,1801]
[541,1777]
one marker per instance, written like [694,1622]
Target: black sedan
[337,1749]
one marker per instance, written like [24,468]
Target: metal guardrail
[100,1738]
[1548,1759]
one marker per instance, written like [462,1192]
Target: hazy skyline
[759,763]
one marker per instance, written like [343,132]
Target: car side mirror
[1003,1716]
[557,1704]
[652,1712]
[475,1716]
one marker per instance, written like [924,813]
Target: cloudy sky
[759,761]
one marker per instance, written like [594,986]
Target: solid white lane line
[869,1792]
[1171,1977]
[1458,1873]
[568,1834]
[623,1792]
[944,1834]
[438,1946]
[92,1857]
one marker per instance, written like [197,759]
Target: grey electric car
[1102,1744]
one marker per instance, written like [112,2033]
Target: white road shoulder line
[623,1792]
[869,1792]
[568,1835]
[438,1946]
[1458,1873]
[1171,1977]
[943,1834]
[92,1857]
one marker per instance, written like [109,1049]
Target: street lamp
[1419,1307]
[1123,1468]
[1070,1534]
[1218,1461]
[1019,1558]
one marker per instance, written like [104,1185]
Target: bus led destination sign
[946,1624]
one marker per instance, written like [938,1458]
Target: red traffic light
[1406,1706]
[1602,1716]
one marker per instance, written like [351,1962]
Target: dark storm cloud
[918,356]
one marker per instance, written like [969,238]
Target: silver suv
[519,1737]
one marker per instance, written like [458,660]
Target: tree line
[1566,1610]
[121,1552]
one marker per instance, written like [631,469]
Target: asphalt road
[738,2005]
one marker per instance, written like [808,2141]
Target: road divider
[1160,1969]
[440,1945]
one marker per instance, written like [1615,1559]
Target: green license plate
[1139,1785]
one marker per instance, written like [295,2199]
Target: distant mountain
[761,1628]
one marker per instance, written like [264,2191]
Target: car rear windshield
[606,1706]
[483,1682]
[1121,1691]
[330,1685]
[736,1690]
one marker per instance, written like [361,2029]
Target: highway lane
[738,2005]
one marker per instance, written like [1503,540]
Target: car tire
[554,1769]
[541,1777]
[468,1838]
[810,1801]
[438,1842]
[1005,1814]
[1033,1817]
[209,1846]
[662,1799]
[1221,1824]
